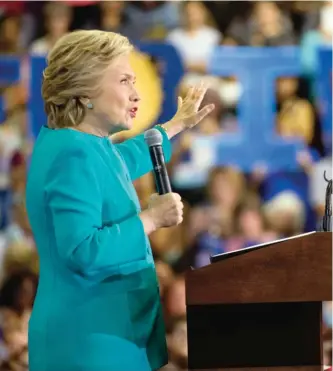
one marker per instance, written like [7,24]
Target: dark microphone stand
[327,220]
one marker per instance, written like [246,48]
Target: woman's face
[9,35]
[267,12]
[58,25]
[11,29]
[195,14]
[112,7]
[224,192]
[286,87]
[118,101]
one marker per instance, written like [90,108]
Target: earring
[89,105]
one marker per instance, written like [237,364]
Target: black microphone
[154,141]
[327,220]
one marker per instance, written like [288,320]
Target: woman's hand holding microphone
[167,210]
[163,211]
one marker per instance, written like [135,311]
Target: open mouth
[133,112]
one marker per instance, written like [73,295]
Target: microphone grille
[153,137]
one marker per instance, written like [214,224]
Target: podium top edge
[230,254]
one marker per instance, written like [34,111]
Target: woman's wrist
[147,220]
[171,128]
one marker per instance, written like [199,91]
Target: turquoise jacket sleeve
[136,155]
[74,197]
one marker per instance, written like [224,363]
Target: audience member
[153,19]
[267,26]
[10,34]
[250,226]
[295,118]
[196,39]
[16,300]
[58,16]
[312,39]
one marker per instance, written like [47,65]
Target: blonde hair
[76,64]
[286,202]
[20,255]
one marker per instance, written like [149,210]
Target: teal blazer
[97,306]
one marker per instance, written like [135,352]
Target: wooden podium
[260,308]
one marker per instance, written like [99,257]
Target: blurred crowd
[225,208]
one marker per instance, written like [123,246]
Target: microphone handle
[159,169]
[327,220]
[327,223]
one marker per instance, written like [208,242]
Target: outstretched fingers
[204,112]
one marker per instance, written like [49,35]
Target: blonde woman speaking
[97,307]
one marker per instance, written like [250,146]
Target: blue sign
[256,141]
[171,72]
[256,68]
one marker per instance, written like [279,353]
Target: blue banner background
[256,68]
